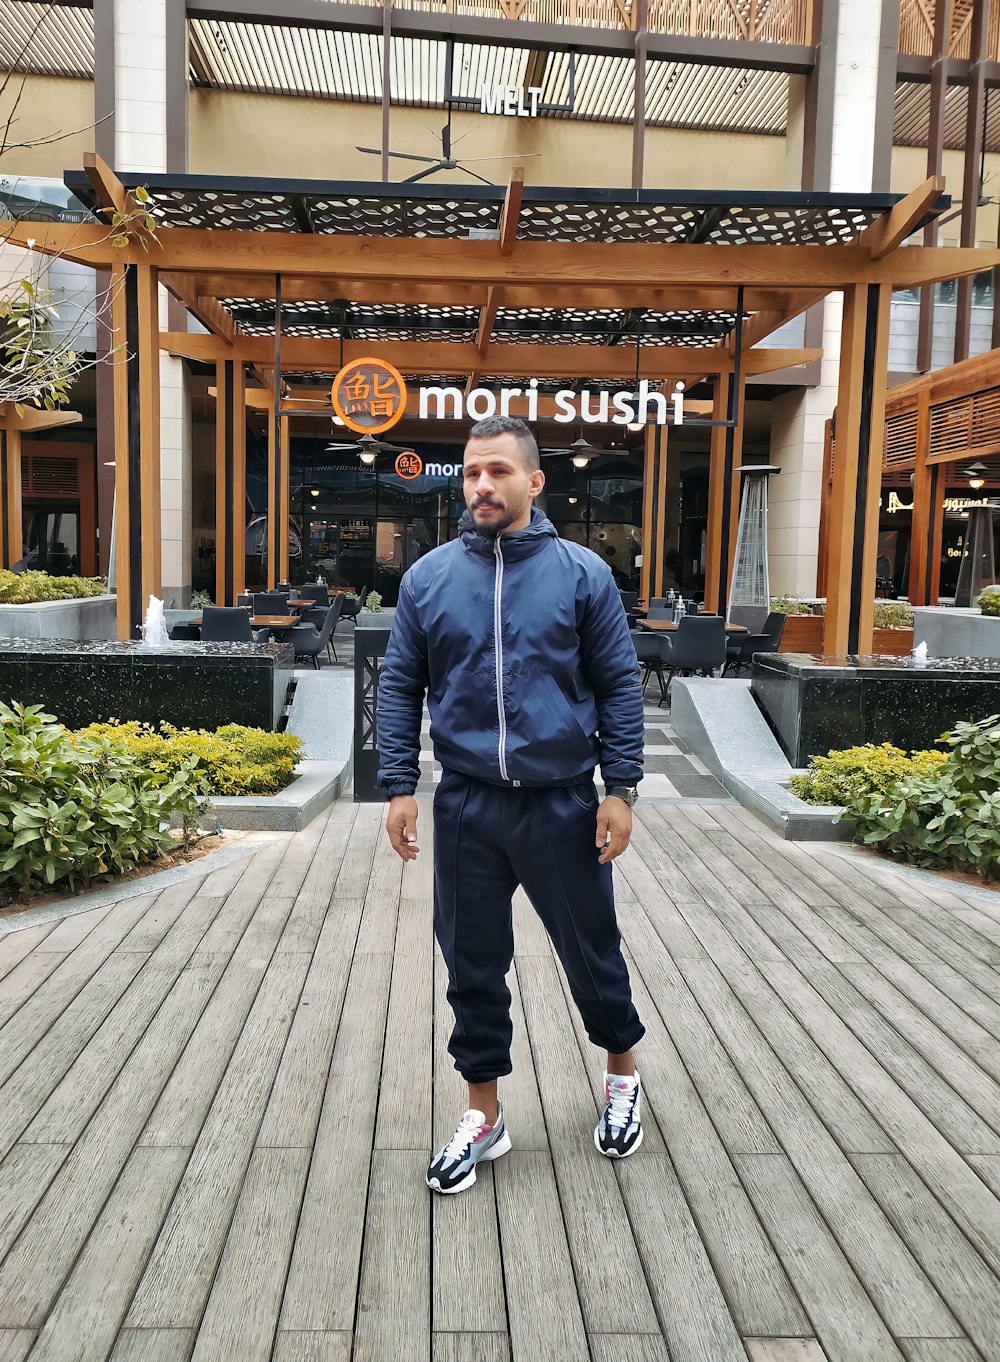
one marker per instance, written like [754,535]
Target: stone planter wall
[957,633]
[91,619]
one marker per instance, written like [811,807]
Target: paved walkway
[218,1103]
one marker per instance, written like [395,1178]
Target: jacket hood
[520,544]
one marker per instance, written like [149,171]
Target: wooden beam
[511,214]
[33,419]
[857,472]
[12,525]
[894,227]
[297,289]
[529,361]
[540,263]
[112,194]
[208,311]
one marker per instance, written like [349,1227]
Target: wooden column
[857,470]
[230,480]
[654,515]
[10,473]
[724,491]
[137,443]
[920,531]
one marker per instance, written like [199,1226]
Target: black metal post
[858,583]
[369,650]
[135,525]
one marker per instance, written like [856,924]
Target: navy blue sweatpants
[488,839]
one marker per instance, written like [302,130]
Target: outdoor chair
[308,641]
[185,633]
[352,609]
[740,652]
[647,650]
[660,612]
[314,591]
[752,617]
[774,627]
[229,624]
[318,616]
[270,603]
[698,647]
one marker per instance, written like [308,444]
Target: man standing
[521,644]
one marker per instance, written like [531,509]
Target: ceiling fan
[445,161]
[367,444]
[582,452]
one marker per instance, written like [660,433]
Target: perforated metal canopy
[547,214]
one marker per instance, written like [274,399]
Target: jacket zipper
[498,634]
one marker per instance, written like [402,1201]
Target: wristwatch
[627,792]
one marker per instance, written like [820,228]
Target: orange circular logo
[369,396]
[409,465]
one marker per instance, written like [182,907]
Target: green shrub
[199,599]
[893,615]
[73,809]
[949,816]
[231,761]
[27,588]
[790,605]
[989,601]
[850,775]
[373,602]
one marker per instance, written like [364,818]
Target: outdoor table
[668,626]
[263,621]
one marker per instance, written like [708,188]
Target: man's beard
[494,527]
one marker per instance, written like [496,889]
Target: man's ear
[537,482]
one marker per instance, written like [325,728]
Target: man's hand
[614,828]
[401,825]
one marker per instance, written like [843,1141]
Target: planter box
[91,619]
[957,633]
[804,634]
[367,619]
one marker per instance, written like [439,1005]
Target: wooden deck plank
[893,1278]
[636,1347]
[937,1098]
[25,1028]
[16,1344]
[851,1122]
[185,1100]
[297,1096]
[846,1322]
[24,1175]
[242,1311]
[24,978]
[85,1317]
[532,1233]
[393,1316]
[939,1350]
[178,1276]
[366,833]
[73,1101]
[988,1168]
[16,943]
[322,1280]
[694,1317]
[656,903]
[971,1288]
[613,1291]
[33,1272]
[467,1275]
[970,1079]
[167,907]
[962,1193]
[785,1350]
[404,1108]
[312,1345]
[757,1289]
[153,1345]
[73,930]
[45,1064]
[470,1347]
[381,910]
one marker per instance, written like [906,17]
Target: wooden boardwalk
[218,1102]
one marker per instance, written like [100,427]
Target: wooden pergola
[483,285]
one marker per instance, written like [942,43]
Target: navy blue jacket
[523,648]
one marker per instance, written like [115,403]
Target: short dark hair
[492,426]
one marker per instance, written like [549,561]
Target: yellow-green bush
[989,601]
[28,588]
[857,772]
[893,615]
[233,760]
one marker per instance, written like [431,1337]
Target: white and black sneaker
[619,1131]
[453,1168]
